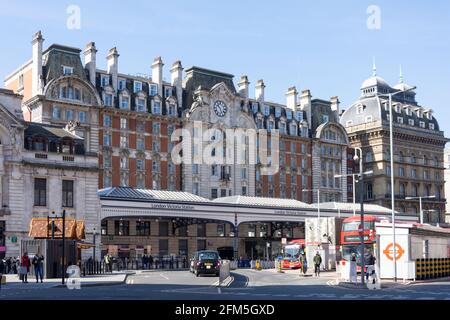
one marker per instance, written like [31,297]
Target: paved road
[248,284]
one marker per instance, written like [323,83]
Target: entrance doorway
[225,252]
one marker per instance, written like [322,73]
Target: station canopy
[264,202]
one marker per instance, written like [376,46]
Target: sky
[325,46]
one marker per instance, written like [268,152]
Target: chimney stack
[335,105]
[259,90]
[177,78]
[90,54]
[243,86]
[157,74]
[37,80]
[305,105]
[291,98]
[113,66]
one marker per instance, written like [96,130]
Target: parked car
[206,262]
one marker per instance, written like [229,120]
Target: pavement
[244,284]
[13,281]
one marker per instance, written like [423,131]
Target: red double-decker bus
[351,239]
[292,251]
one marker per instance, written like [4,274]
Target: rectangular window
[155,166]
[163,247]
[244,173]
[422,124]
[221,229]
[140,126]
[122,228]
[172,109]
[140,164]
[40,192]
[411,122]
[431,125]
[107,140]
[156,107]
[106,181]
[201,245]
[69,115]
[122,84]
[104,80]
[213,193]
[153,89]
[155,146]
[400,120]
[325,118]
[56,113]
[168,92]
[123,141]
[156,128]
[244,190]
[142,228]
[201,230]
[140,144]
[104,228]
[67,70]
[163,228]
[106,161]
[140,104]
[266,110]
[183,247]
[299,115]
[195,188]
[137,86]
[123,123]
[108,100]
[67,193]
[124,101]
[82,117]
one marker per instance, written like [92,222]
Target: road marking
[162,275]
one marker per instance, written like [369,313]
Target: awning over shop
[42,228]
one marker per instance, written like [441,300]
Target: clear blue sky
[324,46]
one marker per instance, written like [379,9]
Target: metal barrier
[432,268]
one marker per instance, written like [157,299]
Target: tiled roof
[147,194]
[265,202]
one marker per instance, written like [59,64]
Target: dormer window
[299,116]
[137,86]
[124,101]
[156,107]
[259,123]
[153,89]
[67,70]
[359,109]
[167,92]
[282,127]
[411,122]
[400,120]
[104,80]
[172,110]
[397,108]
[254,107]
[122,83]
[140,104]
[277,112]
[293,129]
[429,116]
[266,110]
[419,114]
[289,114]
[422,124]
[270,125]
[108,100]
[325,118]
[431,125]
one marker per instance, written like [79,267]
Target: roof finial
[401,75]
[374,68]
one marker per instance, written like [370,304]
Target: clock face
[220,108]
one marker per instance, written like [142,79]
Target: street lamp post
[94,233]
[420,204]
[361,199]
[391,141]
[63,246]
[353,175]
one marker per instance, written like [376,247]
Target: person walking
[150,262]
[25,267]
[107,261]
[145,261]
[369,261]
[38,267]
[317,262]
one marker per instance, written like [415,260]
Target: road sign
[389,251]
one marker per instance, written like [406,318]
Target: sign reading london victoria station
[235,146]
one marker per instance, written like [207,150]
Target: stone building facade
[418,148]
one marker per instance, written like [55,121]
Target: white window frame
[139,107]
[120,82]
[104,78]
[137,86]
[57,111]
[153,89]
[67,68]
[154,110]
[122,99]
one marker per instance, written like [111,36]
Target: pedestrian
[150,261]
[38,267]
[8,265]
[317,262]
[353,257]
[2,266]
[107,261]
[304,262]
[25,267]
[145,261]
[369,261]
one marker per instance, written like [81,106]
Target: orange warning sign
[389,251]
